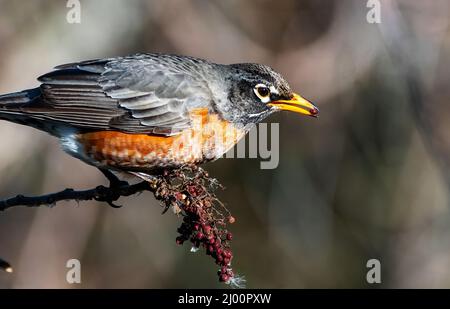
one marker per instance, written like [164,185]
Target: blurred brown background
[369,179]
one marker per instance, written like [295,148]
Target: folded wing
[150,94]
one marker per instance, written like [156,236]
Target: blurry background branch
[5,266]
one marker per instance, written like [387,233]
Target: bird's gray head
[256,91]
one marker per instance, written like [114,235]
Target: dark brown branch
[100,193]
[188,191]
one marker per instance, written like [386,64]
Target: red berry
[226,261]
[179,196]
[200,235]
[192,190]
[229,236]
[207,229]
[224,277]
[226,253]
[196,226]
[212,241]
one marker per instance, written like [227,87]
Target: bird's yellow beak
[296,104]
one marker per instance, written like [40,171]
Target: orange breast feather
[208,138]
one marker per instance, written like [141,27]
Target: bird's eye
[262,92]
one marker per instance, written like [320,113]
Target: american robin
[146,112]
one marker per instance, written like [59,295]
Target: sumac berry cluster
[214,240]
[189,191]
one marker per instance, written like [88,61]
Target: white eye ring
[262,92]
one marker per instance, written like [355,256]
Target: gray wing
[148,93]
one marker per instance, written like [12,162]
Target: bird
[143,113]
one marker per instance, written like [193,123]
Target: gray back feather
[146,93]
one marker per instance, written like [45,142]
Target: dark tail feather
[14,101]
[11,105]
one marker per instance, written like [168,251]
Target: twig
[99,193]
[189,191]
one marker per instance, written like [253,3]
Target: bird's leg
[114,183]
